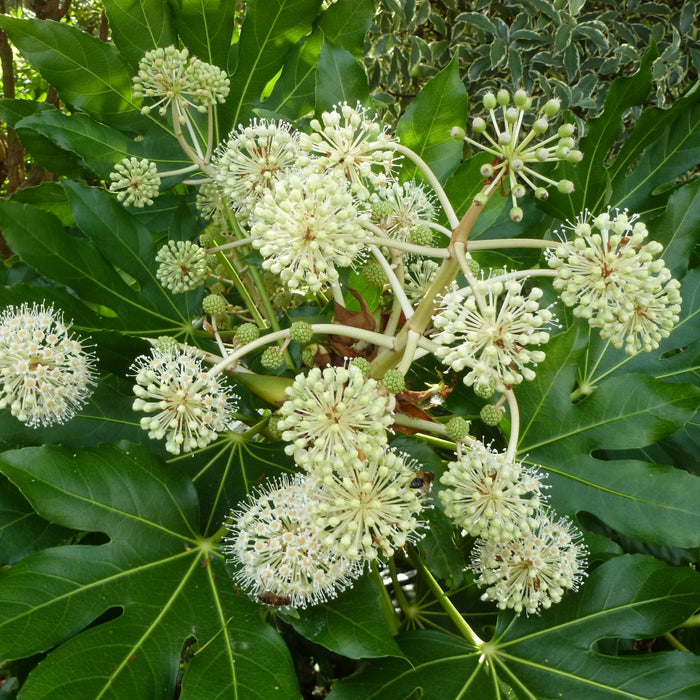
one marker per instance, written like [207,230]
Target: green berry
[247,333]
[301,332]
[489,100]
[516,214]
[206,239]
[422,235]
[272,358]
[272,431]
[167,344]
[520,97]
[552,107]
[214,304]
[474,266]
[485,390]
[565,186]
[363,364]
[217,288]
[479,125]
[308,354]
[491,415]
[503,97]
[393,381]
[566,131]
[480,199]
[374,274]
[541,193]
[457,132]
[457,428]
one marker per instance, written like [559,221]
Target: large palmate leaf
[425,126]
[156,587]
[340,78]
[554,655]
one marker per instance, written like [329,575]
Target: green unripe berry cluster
[491,415]
[422,235]
[457,428]
[374,274]
[364,365]
[393,381]
[214,304]
[301,332]
[272,358]
[247,333]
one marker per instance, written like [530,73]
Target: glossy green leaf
[425,126]
[88,73]
[553,655]
[138,26]
[354,624]
[154,576]
[340,78]
[270,31]
[345,24]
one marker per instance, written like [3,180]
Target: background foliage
[110,586]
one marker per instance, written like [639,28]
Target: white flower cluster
[135,181]
[515,147]
[189,406]
[45,374]
[524,559]
[400,208]
[491,330]
[182,266]
[358,499]
[170,74]
[614,279]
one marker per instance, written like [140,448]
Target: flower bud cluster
[189,407]
[491,331]
[516,147]
[135,181]
[351,145]
[173,76]
[613,278]
[45,374]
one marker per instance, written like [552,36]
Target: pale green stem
[388,606]
[398,590]
[423,250]
[693,621]
[493,243]
[337,293]
[436,227]
[459,622]
[523,274]
[242,290]
[409,352]
[430,177]
[460,254]
[514,425]
[425,426]
[193,155]
[217,337]
[210,133]
[396,286]
[228,246]
[179,171]
[350,332]
[675,643]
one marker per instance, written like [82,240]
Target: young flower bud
[301,332]
[457,428]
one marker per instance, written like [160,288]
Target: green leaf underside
[159,587]
[553,655]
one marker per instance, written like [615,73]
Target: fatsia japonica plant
[296,405]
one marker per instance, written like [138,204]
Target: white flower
[491,335]
[280,551]
[190,406]
[45,373]
[171,75]
[516,147]
[532,572]
[611,278]
[353,146]
[490,496]
[305,227]
[418,276]
[252,160]
[135,181]
[183,266]
[371,509]
[403,207]
[331,416]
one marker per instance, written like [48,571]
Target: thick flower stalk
[182,266]
[333,416]
[533,572]
[252,160]
[279,550]
[490,496]
[351,145]
[170,74]
[305,227]
[135,182]
[517,147]
[491,330]
[46,375]
[613,278]
[188,407]
[372,509]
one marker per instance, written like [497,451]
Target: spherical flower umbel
[352,145]
[490,496]
[46,375]
[418,276]
[172,76]
[186,405]
[613,278]
[333,415]
[491,332]
[252,160]
[135,181]
[305,227]
[532,572]
[515,146]
[183,266]
[403,207]
[279,549]
[371,509]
